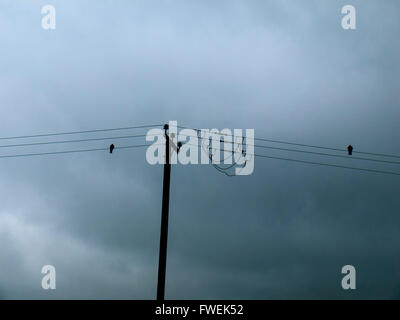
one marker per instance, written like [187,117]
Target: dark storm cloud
[285,68]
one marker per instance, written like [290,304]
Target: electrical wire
[70,141]
[70,151]
[329,154]
[142,135]
[304,151]
[329,165]
[317,163]
[308,145]
[218,168]
[79,132]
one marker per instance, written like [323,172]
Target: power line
[71,141]
[303,151]
[317,163]
[328,154]
[70,151]
[309,162]
[328,148]
[307,145]
[329,165]
[157,125]
[78,132]
[146,145]
[144,135]
[218,168]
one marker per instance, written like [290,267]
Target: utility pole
[162,262]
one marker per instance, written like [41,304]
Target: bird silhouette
[112,148]
[350,150]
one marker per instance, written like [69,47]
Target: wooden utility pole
[162,262]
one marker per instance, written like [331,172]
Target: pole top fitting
[166,126]
[179,145]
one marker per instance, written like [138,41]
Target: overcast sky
[284,68]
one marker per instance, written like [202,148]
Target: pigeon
[350,150]
[112,148]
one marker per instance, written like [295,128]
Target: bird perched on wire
[112,148]
[350,150]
